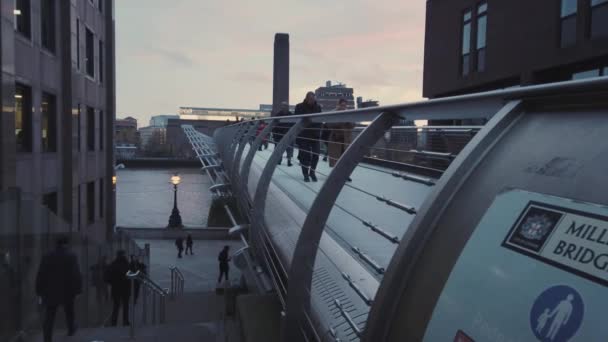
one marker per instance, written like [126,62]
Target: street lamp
[175,220]
[114,179]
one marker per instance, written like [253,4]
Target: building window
[50,201]
[49,123]
[590,73]
[100,62]
[91,202]
[23,118]
[79,206]
[78,128]
[90,50]
[47,20]
[101,130]
[22,18]
[599,18]
[78,44]
[482,27]
[568,23]
[101,198]
[91,128]
[466,42]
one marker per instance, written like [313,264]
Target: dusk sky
[214,53]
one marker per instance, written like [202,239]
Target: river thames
[144,197]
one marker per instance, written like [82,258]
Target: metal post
[154,307]
[132,304]
[301,270]
[145,305]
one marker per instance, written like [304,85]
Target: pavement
[200,270]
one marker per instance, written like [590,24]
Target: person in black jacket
[223,258]
[308,140]
[189,243]
[121,287]
[58,283]
[281,129]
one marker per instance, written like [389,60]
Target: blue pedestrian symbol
[557,314]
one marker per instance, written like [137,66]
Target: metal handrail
[177,282]
[148,286]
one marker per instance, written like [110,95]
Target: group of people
[59,282]
[179,243]
[336,136]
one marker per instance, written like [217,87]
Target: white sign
[571,240]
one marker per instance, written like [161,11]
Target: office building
[220,114]
[366,103]
[125,131]
[161,120]
[474,45]
[329,95]
[58,102]
[268,108]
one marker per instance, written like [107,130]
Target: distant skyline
[219,54]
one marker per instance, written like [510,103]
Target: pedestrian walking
[98,272]
[58,282]
[179,243]
[259,130]
[281,129]
[121,287]
[223,259]
[308,140]
[340,136]
[189,243]
[134,266]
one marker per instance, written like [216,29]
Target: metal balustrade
[177,282]
[339,251]
[152,295]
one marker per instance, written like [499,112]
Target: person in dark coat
[179,243]
[134,266]
[308,141]
[224,258]
[189,243]
[121,287]
[58,283]
[281,129]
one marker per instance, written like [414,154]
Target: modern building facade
[329,95]
[478,45]
[366,103]
[125,131]
[220,114]
[161,120]
[58,100]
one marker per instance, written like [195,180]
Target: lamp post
[175,220]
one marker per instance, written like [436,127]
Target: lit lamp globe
[175,220]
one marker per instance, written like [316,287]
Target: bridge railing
[328,237]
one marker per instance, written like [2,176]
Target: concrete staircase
[193,317]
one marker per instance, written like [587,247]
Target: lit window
[599,18]
[49,123]
[23,118]
[568,23]
[466,43]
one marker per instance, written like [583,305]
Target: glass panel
[48,24]
[91,128]
[568,7]
[482,8]
[467,15]
[465,65]
[22,14]
[481,31]
[466,39]
[568,36]
[586,74]
[49,123]
[605,72]
[597,2]
[599,21]
[481,59]
[23,118]
[90,51]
